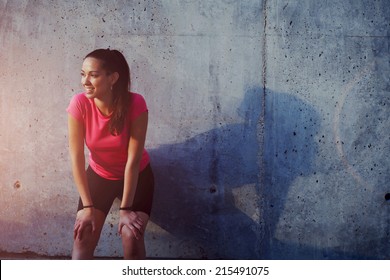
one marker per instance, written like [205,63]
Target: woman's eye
[91,75]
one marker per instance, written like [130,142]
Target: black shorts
[104,191]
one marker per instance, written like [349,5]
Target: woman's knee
[133,247]
[87,240]
[129,236]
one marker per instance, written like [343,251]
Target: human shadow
[200,182]
[194,197]
[291,128]
[292,200]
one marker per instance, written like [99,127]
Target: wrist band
[125,208]
[88,206]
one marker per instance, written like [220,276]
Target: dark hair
[114,61]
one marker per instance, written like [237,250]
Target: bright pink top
[107,153]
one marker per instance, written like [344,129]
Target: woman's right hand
[85,220]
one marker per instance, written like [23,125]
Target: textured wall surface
[269,124]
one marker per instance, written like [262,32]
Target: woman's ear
[114,77]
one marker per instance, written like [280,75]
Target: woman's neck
[104,105]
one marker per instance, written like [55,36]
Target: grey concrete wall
[268,127]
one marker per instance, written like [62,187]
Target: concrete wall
[268,127]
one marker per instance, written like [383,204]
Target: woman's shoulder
[137,105]
[135,95]
[80,97]
[78,106]
[137,98]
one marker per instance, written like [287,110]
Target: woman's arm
[76,148]
[135,150]
[136,146]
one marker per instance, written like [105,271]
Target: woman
[113,122]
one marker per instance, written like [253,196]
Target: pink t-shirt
[107,153]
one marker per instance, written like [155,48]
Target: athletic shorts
[104,191]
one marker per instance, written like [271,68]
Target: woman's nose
[85,80]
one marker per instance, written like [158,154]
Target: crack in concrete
[260,232]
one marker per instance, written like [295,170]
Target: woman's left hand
[131,220]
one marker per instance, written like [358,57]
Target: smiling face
[95,79]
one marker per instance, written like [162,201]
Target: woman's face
[95,80]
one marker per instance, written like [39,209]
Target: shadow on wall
[209,191]
[291,198]
[289,151]
[195,198]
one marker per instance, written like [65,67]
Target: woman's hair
[114,61]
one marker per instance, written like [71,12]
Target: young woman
[112,122]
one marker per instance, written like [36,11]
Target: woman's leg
[134,249]
[83,249]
